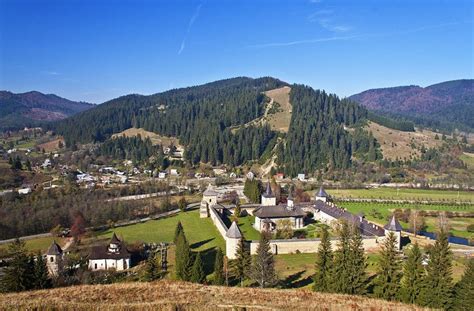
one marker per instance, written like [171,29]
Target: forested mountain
[446,105]
[32,108]
[210,120]
[317,136]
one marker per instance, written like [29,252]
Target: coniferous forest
[212,122]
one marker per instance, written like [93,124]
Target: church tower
[232,238]
[209,198]
[268,198]
[54,259]
[322,195]
[395,227]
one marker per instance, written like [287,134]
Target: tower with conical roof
[209,198]
[394,226]
[321,195]
[54,259]
[268,198]
[232,238]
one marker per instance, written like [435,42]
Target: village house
[112,256]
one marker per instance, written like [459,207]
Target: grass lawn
[35,245]
[245,226]
[458,226]
[468,158]
[201,233]
[296,270]
[404,194]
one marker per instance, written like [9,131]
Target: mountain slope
[216,123]
[173,295]
[445,105]
[31,108]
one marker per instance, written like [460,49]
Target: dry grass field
[396,143]
[280,121]
[52,145]
[172,295]
[155,138]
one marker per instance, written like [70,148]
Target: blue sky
[98,50]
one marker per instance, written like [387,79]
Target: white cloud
[193,18]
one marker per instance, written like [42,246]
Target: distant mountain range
[445,105]
[33,108]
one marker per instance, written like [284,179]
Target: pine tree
[219,277]
[340,271]
[240,266]
[177,231]
[387,281]
[437,288]
[183,257]
[324,257]
[197,271]
[18,275]
[263,264]
[41,275]
[357,264]
[152,269]
[413,273]
[464,289]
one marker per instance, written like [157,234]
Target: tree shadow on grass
[208,257]
[200,243]
[289,281]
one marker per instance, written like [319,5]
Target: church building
[112,256]
[269,214]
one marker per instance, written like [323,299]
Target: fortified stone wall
[309,245]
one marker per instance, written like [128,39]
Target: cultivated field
[172,295]
[155,138]
[395,143]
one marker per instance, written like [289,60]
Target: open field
[52,145]
[279,120]
[468,158]
[201,233]
[36,245]
[404,194]
[172,295]
[457,225]
[395,143]
[155,138]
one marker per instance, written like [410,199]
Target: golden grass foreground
[173,295]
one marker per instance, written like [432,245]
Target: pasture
[404,194]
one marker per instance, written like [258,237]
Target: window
[95,266]
[52,259]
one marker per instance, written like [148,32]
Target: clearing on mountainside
[155,138]
[395,143]
[278,111]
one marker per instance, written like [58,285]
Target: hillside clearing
[281,118]
[400,144]
[172,295]
[156,139]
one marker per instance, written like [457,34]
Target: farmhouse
[113,256]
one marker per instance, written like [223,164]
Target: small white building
[301,177]
[174,172]
[25,190]
[114,256]
[162,175]
[250,175]
[209,198]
